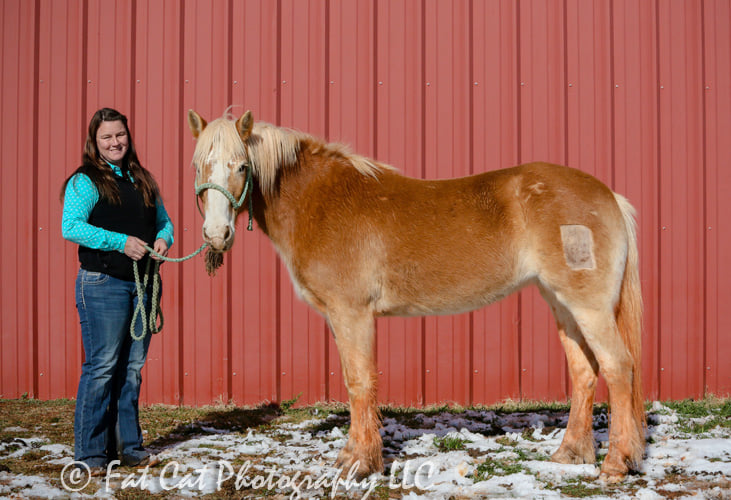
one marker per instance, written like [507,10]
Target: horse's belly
[443,302]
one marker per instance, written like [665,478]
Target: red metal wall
[636,93]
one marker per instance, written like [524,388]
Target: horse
[360,241]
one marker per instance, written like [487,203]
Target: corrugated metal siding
[636,93]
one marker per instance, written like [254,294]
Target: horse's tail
[629,322]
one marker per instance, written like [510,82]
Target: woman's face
[112,141]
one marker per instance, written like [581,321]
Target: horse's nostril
[227,234]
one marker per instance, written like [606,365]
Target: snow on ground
[472,454]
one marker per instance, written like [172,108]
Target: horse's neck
[277,211]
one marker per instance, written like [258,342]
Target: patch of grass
[577,488]
[496,467]
[319,411]
[27,413]
[289,403]
[714,412]
[506,441]
[450,443]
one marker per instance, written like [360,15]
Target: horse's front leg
[354,336]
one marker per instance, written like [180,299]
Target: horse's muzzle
[219,240]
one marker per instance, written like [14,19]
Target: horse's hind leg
[354,336]
[603,338]
[577,446]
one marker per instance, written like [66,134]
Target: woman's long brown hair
[94,166]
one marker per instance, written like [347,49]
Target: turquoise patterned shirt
[79,199]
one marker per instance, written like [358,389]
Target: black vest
[131,217]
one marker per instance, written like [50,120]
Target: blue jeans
[106,421]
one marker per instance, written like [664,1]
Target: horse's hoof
[362,466]
[608,479]
[568,456]
[613,470]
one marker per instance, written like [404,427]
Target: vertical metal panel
[18,345]
[717,148]
[59,114]
[447,154]
[303,106]
[636,154]
[637,93]
[496,368]
[350,75]
[158,131]
[399,94]
[589,89]
[542,137]
[681,199]
[205,301]
[254,326]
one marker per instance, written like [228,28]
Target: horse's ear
[245,124]
[196,123]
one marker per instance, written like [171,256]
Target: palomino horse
[361,241]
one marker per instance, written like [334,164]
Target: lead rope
[156,319]
[213,261]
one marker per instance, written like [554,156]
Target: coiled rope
[156,319]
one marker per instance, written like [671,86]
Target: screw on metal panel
[138,81]
[616,86]
[571,84]
[235,82]
[476,83]
[234,374]
[332,373]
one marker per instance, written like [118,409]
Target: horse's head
[222,165]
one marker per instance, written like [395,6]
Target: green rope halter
[236,204]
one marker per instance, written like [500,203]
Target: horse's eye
[242,167]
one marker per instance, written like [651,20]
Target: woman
[111,208]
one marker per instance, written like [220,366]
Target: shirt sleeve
[79,199]
[163,223]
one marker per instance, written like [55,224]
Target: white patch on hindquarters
[578,246]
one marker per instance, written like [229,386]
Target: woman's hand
[160,247]
[134,248]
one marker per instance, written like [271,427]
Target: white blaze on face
[218,227]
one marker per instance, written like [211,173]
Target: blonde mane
[270,148]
